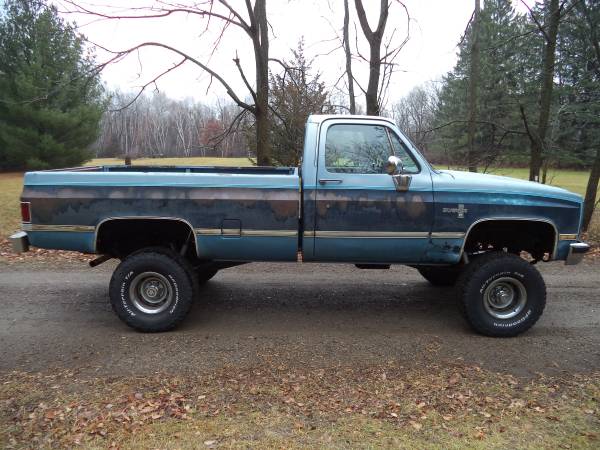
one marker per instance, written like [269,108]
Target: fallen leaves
[39,255]
[463,402]
[416,425]
[455,378]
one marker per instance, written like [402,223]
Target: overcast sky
[435,28]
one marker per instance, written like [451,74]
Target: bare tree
[415,114]
[591,191]
[537,137]
[381,64]
[474,75]
[155,125]
[253,22]
[348,55]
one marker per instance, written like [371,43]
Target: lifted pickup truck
[363,195]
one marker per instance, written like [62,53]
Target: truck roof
[319,118]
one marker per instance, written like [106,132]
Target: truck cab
[350,199]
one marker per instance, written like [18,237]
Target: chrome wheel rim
[151,292]
[505,298]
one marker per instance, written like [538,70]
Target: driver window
[357,149]
[400,150]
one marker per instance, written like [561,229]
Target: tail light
[26,212]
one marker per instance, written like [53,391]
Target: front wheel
[501,294]
[152,290]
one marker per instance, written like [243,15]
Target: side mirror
[395,168]
[394,165]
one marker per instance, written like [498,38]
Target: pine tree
[50,95]
[503,84]
[578,115]
[294,94]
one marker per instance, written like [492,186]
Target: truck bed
[242,170]
[236,213]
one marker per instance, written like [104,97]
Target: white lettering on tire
[514,323]
[176,294]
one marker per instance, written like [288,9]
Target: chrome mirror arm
[395,168]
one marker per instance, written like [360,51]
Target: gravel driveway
[310,315]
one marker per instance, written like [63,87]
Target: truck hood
[454,180]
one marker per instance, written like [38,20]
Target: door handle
[329,180]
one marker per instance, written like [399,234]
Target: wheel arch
[140,220]
[520,220]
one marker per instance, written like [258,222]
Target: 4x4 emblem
[461,210]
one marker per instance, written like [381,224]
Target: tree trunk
[374,74]
[349,58]
[547,84]
[473,85]
[263,124]
[545,165]
[263,138]
[261,56]
[589,203]
[591,192]
[374,38]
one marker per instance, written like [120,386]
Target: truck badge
[461,210]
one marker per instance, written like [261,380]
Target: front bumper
[19,242]
[576,252]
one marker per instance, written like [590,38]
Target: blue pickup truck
[363,195]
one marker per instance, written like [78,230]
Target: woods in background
[525,90]
[156,126]
[51,99]
[538,96]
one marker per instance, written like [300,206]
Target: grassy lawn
[11,184]
[573,180]
[384,406]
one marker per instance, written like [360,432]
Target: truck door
[360,216]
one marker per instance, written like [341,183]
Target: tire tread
[154,253]
[466,279]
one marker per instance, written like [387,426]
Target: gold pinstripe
[236,232]
[284,233]
[70,228]
[383,234]
[567,237]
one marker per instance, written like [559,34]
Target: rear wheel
[152,290]
[441,276]
[501,294]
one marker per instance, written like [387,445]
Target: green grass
[573,180]
[11,184]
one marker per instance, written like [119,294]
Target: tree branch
[237,63]
[155,13]
[154,80]
[228,88]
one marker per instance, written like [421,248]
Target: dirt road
[307,315]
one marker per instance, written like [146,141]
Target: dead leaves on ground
[63,409]
[39,255]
